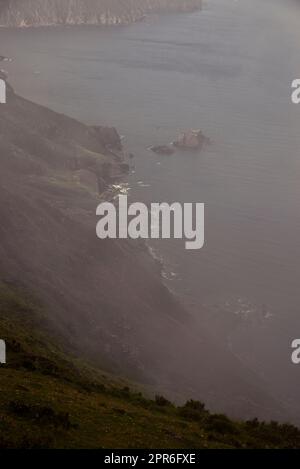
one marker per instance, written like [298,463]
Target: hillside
[50,399]
[49,12]
[104,299]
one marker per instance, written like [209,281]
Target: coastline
[112,255]
[32,14]
[58,188]
[107,299]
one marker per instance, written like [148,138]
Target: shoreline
[124,13]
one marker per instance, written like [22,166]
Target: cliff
[106,12]
[105,299]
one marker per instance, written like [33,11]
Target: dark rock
[190,140]
[107,171]
[124,167]
[5,59]
[109,137]
[163,149]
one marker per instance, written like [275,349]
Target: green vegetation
[50,399]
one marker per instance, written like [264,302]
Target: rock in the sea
[163,149]
[190,140]
[5,59]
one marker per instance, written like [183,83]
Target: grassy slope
[51,399]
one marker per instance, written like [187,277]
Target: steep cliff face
[105,298]
[107,12]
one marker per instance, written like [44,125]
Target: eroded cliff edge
[20,13]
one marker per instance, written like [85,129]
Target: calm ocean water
[227,70]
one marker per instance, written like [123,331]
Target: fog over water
[227,70]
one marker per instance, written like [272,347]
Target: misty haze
[163,101]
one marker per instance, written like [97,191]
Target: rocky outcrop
[107,12]
[163,149]
[57,143]
[190,140]
[109,137]
[5,59]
